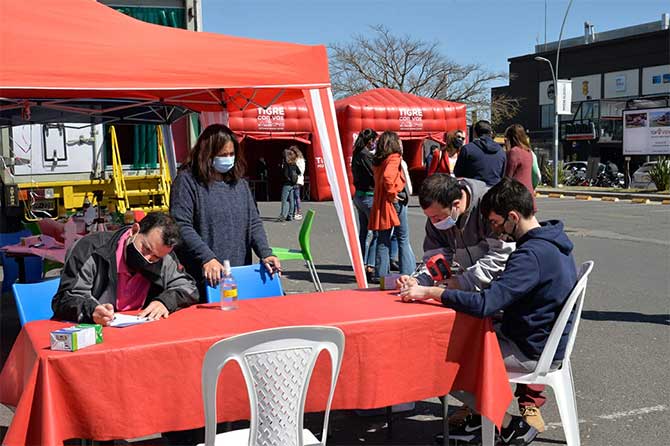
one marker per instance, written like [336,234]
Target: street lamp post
[553,76]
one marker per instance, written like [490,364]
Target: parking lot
[622,354]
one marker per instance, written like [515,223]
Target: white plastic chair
[277,365]
[560,379]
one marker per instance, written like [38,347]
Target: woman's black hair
[364,139]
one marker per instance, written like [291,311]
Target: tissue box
[388,282]
[97,328]
[73,338]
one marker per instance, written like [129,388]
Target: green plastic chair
[305,252]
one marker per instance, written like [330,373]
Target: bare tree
[503,109]
[383,60]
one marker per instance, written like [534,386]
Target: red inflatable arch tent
[414,118]
[267,132]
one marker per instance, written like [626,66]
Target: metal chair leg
[389,421]
[308,264]
[315,276]
[445,418]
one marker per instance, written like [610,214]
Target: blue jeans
[363,205]
[296,197]
[406,255]
[287,202]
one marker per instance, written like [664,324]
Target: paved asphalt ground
[621,360]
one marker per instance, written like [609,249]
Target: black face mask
[136,261]
[458,143]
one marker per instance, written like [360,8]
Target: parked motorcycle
[577,177]
[609,179]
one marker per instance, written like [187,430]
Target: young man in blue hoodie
[482,159]
[532,290]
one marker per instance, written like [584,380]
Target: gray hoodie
[470,245]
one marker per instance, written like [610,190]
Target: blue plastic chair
[33,300]
[253,282]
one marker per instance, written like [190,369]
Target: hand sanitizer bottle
[228,288]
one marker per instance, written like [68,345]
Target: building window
[547,116]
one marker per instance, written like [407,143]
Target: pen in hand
[103,314]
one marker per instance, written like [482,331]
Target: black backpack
[294,172]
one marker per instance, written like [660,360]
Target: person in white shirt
[300,162]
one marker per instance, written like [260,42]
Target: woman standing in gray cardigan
[215,210]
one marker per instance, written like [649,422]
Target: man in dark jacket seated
[131,269]
[532,290]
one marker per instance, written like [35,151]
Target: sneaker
[532,416]
[395,266]
[518,433]
[469,432]
[297,216]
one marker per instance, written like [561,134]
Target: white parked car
[641,178]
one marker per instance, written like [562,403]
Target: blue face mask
[446,223]
[223,164]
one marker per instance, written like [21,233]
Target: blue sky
[485,31]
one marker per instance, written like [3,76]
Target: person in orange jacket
[389,208]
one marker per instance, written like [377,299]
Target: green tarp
[145,147]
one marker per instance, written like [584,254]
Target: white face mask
[446,223]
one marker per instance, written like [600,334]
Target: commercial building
[609,70]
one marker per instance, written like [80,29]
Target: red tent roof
[288,116]
[386,109]
[83,49]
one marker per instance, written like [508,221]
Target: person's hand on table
[155,310]
[416,292]
[103,314]
[272,264]
[212,270]
[405,281]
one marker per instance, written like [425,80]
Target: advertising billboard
[646,131]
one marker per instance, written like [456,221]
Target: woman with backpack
[290,174]
[364,182]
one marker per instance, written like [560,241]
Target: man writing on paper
[129,269]
[456,229]
[537,280]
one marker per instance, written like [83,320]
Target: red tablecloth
[146,378]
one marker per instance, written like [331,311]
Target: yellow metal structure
[121,191]
[166,178]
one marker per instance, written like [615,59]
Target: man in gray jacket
[131,269]
[456,229]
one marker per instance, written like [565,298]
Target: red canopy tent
[78,60]
[413,118]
